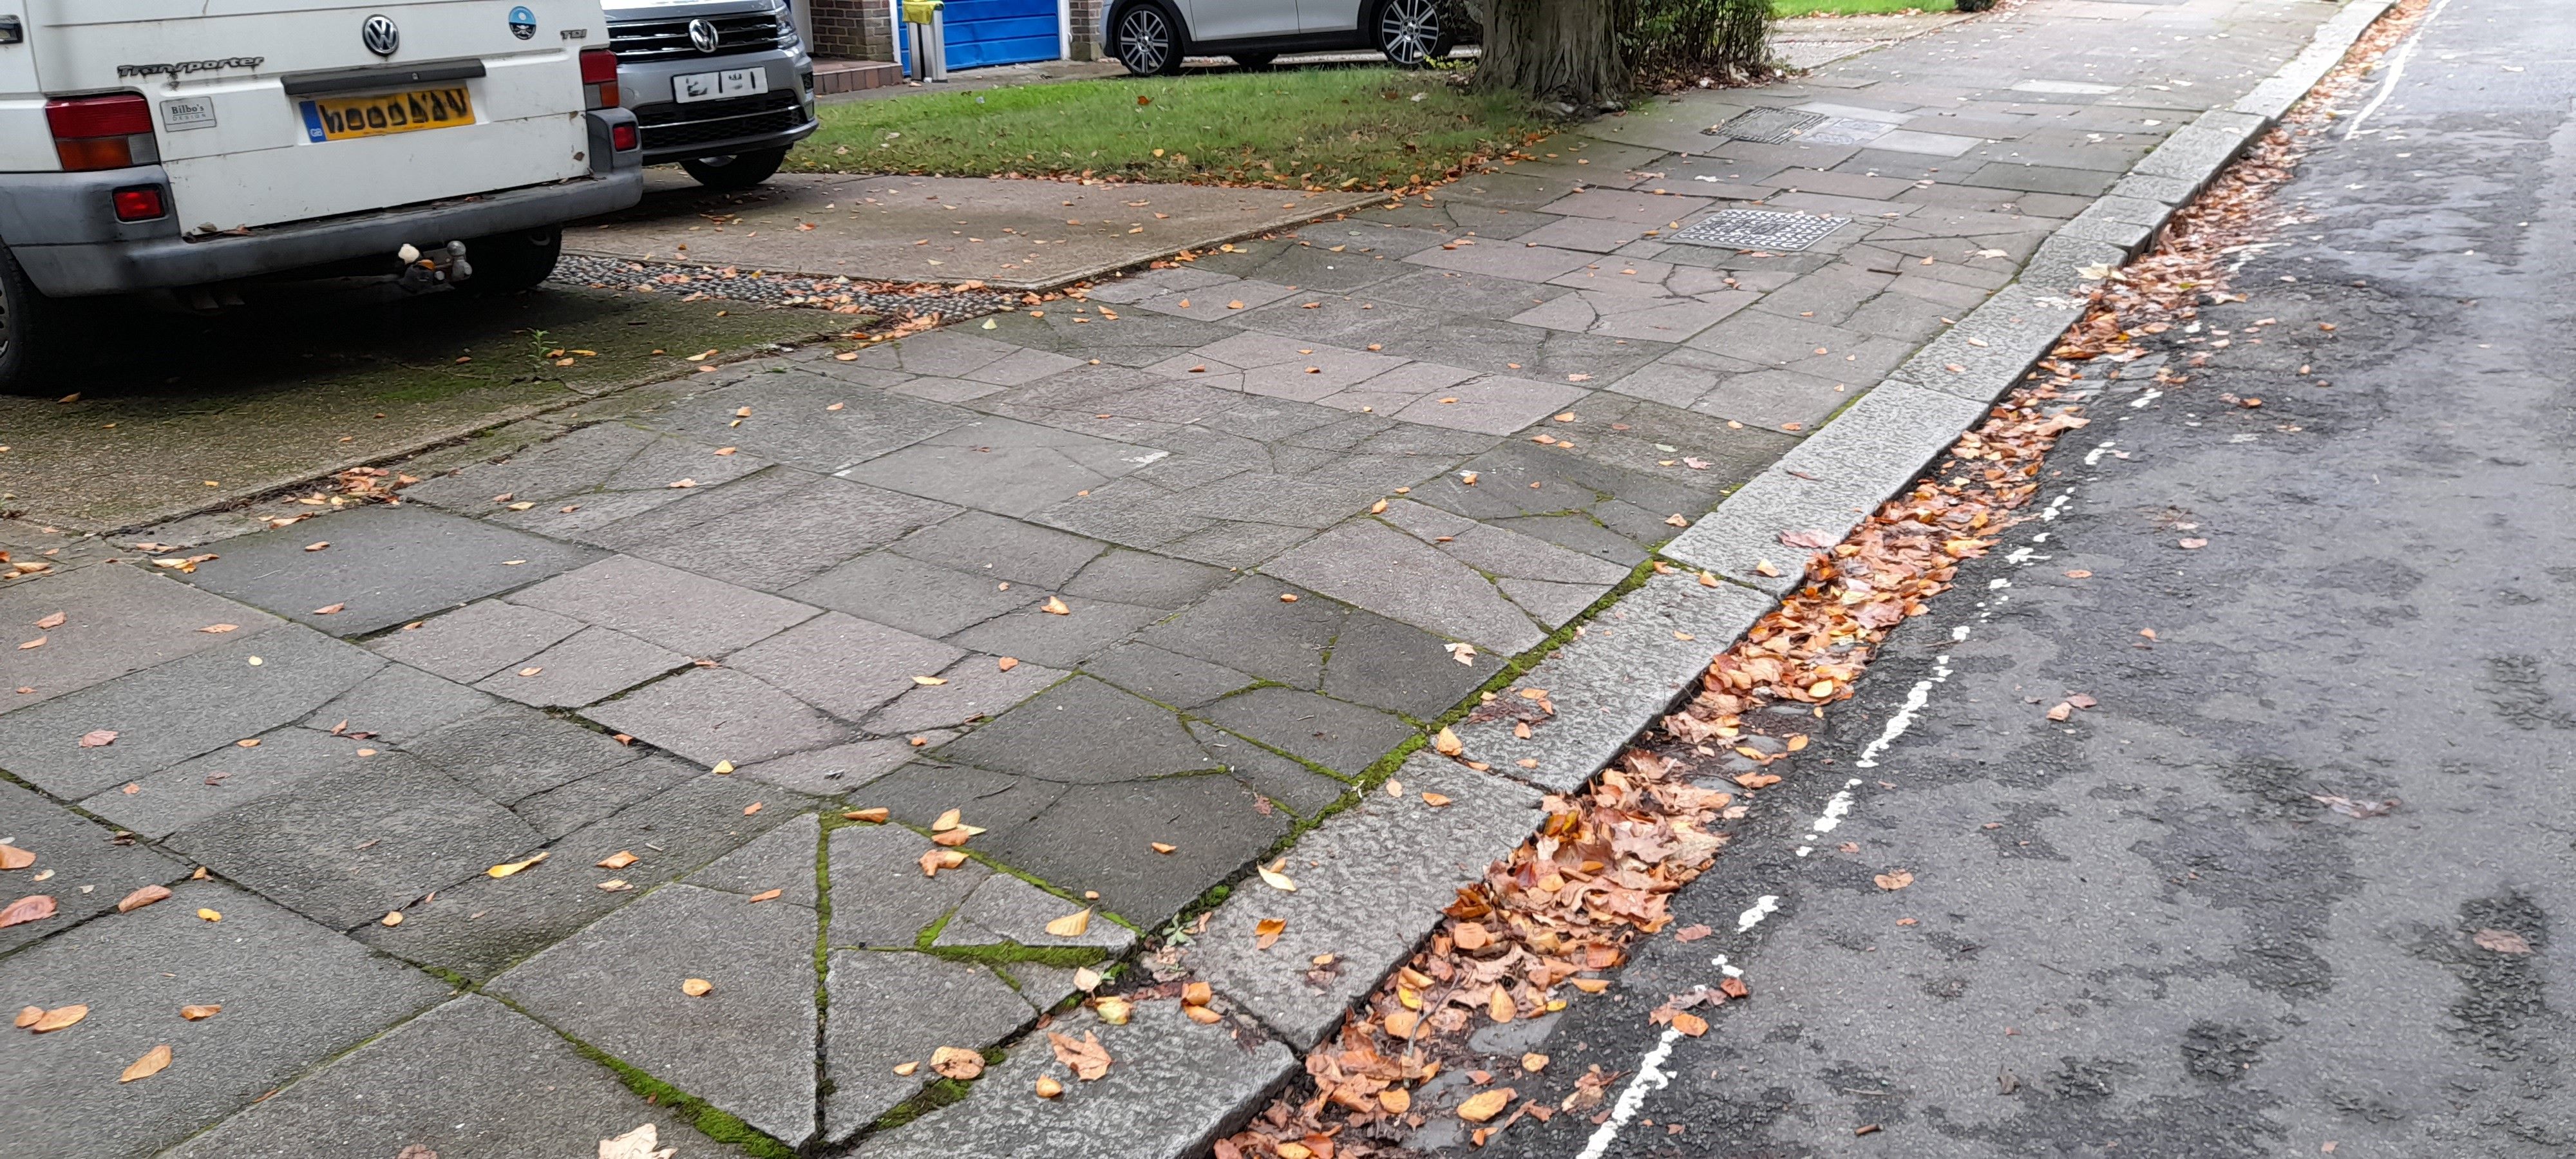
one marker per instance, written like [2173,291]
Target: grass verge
[1308,128]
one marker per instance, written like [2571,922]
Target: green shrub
[1685,39]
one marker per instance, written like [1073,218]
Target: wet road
[2137,932]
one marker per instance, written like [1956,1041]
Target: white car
[181,146]
[1151,36]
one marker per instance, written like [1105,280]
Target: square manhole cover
[1767,126]
[1759,229]
[1845,131]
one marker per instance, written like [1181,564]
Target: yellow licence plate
[341,118]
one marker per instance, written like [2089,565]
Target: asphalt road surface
[2137,932]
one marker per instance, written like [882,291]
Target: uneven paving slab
[678,610]
[1173,1087]
[715,715]
[383,565]
[116,620]
[471,1079]
[1371,883]
[1004,910]
[232,776]
[888,1009]
[1100,837]
[348,847]
[476,640]
[880,897]
[294,994]
[479,926]
[86,870]
[747,1046]
[180,708]
[871,224]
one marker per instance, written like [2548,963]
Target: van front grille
[669,39]
[674,126]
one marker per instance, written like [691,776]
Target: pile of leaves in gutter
[1555,918]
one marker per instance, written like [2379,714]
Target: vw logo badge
[702,33]
[380,35]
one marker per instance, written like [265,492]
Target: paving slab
[792,420]
[385,565]
[845,665]
[1366,563]
[1337,735]
[1082,732]
[88,869]
[686,613]
[1006,910]
[590,665]
[511,753]
[400,704]
[232,776]
[476,640]
[833,771]
[294,995]
[177,709]
[888,1009]
[597,796]
[499,1086]
[714,715]
[771,530]
[880,897]
[1173,1088]
[345,848]
[977,688]
[1007,550]
[906,593]
[747,1046]
[785,859]
[116,620]
[479,926]
[1101,837]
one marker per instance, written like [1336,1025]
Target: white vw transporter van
[183,145]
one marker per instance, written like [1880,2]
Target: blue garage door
[982,32]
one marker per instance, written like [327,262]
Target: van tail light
[624,138]
[599,78]
[140,203]
[110,132]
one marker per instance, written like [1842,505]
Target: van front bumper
[63,230]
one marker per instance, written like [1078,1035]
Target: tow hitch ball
[444,266]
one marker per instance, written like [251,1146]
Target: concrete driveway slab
[1023,234]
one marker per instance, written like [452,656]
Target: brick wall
[1086,29]
[852,30]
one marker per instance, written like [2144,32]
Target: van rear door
[270,111]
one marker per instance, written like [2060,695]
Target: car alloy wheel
[1408,31]
[1144,40]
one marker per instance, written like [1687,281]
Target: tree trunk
[1553,50]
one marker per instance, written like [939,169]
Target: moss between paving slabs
[714,1124]
[1320,127]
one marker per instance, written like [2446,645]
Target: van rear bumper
[63,230]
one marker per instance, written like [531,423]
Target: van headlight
[785,13]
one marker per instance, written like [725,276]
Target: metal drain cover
[1767,126]
[1759,229]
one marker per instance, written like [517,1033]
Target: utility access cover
[1767,126]
[1759,229]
